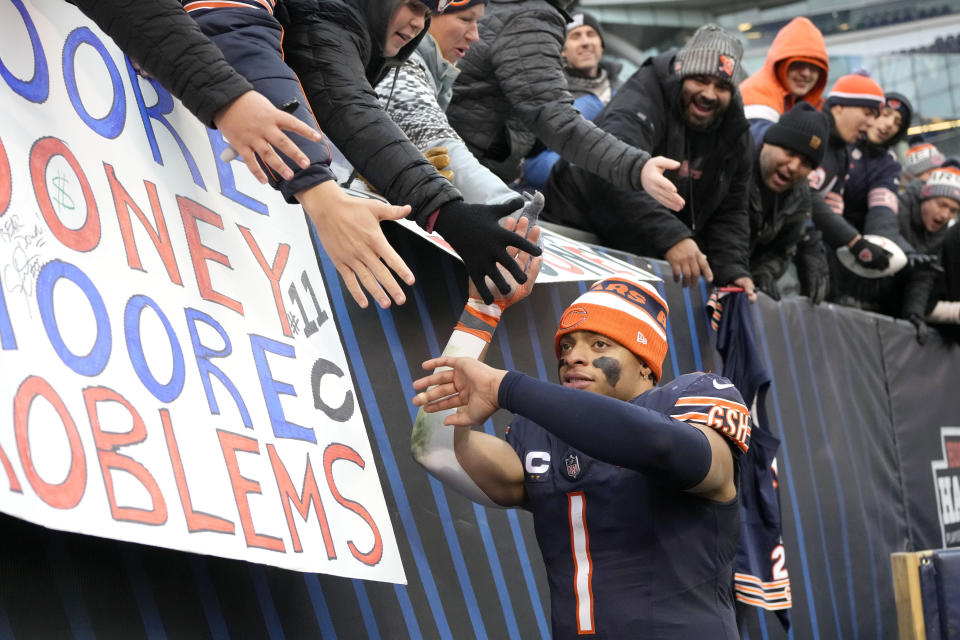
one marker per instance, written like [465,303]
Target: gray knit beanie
[944,182]
[922,156]
[710,52]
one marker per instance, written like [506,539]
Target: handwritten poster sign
[171,373]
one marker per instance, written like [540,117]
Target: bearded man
[684,105]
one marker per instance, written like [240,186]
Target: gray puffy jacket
[512,91]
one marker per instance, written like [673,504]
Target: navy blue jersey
[761,578]
[626,557]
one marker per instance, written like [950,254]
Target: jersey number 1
[582,564]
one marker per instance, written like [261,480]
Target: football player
[632,485]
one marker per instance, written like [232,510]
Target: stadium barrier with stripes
[863,412]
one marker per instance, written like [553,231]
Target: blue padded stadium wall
[857,403]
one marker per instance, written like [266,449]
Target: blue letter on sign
[203,354]
[273,388]
[7,339]
[94,362]
[131,323]
[228,185]
[156,112]
[38,87]
[110,125]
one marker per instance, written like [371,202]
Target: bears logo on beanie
[632,314]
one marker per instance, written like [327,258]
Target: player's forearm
[435,445]
[617,432]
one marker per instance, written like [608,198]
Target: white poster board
[171,371]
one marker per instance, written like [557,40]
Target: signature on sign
[21,242]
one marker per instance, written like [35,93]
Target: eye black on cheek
[610,368]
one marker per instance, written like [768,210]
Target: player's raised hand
[658,186]
[253,126]
[530,265]
[474,233]
[349,230]
[467,385]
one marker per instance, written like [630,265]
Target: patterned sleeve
[414,107]
[715,402]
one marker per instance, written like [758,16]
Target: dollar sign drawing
[61,197]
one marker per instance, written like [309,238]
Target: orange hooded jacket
[764,93]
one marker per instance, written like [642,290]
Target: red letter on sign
[123,203]
[273,273]
[331,454]
[68,493]
[107,444]
[86,237]
[231,443]
[191,211]
[5,186]
[196,520]
[309,494]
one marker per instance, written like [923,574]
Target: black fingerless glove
[474,232]
[870,255]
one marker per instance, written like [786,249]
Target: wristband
[479,319]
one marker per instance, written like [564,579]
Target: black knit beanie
[584,19]
[803,130]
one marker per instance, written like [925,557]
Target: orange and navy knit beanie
[856,90]
[630,313]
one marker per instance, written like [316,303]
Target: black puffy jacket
[777,224]
[336,48]
[165,41]
[714,179]
[512,91]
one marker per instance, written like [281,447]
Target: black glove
[812,269]
[474,232]
[870,255]
[767,283]
[924,261]
[923,331]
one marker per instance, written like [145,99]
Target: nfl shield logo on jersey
[571,466]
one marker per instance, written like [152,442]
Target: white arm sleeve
[946,312]
[431,441]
